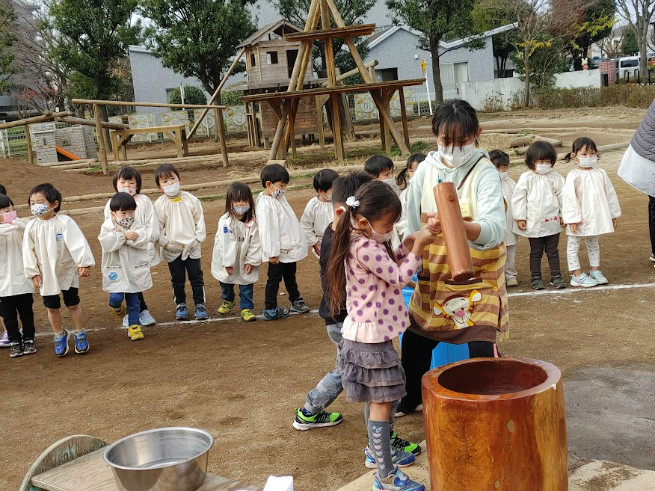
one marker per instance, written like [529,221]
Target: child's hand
[273,260]
[615,223]
[433,224]
[573,227]
[229,269]
[83,272]
[36,281]
[521,224]
[131,235]
[248,268]
[317,248]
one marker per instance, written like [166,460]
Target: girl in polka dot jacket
[373,275]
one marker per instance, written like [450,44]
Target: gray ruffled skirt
[371,372]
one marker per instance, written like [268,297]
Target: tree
[638,13]
[545,61]
[629,45]
[93,36]
[198,38]
[437,20]
[487,17]
[192,95]
[7,38]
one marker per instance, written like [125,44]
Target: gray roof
[278,27]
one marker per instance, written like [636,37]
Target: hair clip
[352,202]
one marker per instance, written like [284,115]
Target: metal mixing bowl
[163,459]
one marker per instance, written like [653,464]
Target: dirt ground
[241,382]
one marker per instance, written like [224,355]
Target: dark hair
[401,179]
[238,191]
[377,164]
[126,172]
[122,202]
[274,173]
[580,144]
[5,202]
[165,170]
[346,186]
[49,192]
[499,158]
[540,150]
[324,179]
[457,120]
[3,190]
[376,199]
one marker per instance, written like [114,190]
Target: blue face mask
[40,209]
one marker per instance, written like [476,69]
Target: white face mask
[172,190]
[456,156]
[130,191]
[241,210]
[377,236]
[125,222]
[503,175]
[391,181]
[587,162]
[543,168]
[328,197]
[39,209]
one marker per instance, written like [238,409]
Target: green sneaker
[318,420]
[403,445]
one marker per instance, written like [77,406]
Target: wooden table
[120,138]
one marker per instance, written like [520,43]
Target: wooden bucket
[495,424]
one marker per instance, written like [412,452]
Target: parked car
[629,64]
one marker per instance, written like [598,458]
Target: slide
[67,155]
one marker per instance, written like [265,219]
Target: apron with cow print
[460,313]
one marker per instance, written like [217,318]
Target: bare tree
[638,13]
[611,45]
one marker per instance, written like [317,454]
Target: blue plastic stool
[444,353]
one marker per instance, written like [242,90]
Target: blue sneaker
[61,343]
[275,314]
[201,312]
[399,458]
[397,481]
[181,313]
[146,318]
[81,344]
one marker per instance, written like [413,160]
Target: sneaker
[537,283]
[119,311]
[318,420]
[126,322]
[652,257]
[134,332]
[146,319]
[28,347]
[247,315]
[512,281]
[299,306]
[557,281]
[275,314]
[181,312]
[226,307]
[404,445]
[61,343]
[4,340]
[400,459]
[599,277]
[583,281]
[396,481]
[400,411]
[201,312]
[81,343]
[15,350]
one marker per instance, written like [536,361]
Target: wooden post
[336,127]
[379,102]
[403,115]
[291,128]
[327,47]
[319,121]
[221,131]
[102,148]
[216,117]
[28,140]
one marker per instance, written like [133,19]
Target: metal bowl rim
[154,430]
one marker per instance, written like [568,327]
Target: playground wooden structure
[120,139]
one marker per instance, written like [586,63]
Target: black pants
[651,222]
[10,309]
[142,303]
[416,357]
[549,244]
[179,270]
[275,274]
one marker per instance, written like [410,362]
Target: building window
[271,57]
[252,59]
[387,74]
[169,92]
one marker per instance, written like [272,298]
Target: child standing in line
[402,181]
[15,290]
[128,180]
[55,256]
[319,210]
[590,208]
[373,275]
[283,242]
[237,251]
[125,260]
[501,161]
[4,337]
[182,231]
[381,168]
[537,211]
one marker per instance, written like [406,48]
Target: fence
[13,142]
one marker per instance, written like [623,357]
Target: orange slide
[66,154]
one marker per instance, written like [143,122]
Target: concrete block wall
[78,140]
[43,142]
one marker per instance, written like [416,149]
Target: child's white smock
[146,214]
[54,249]
[236,244]
[590,201]
[508,184]
[537,199]
[279,230]
[125,263]
[12,278]
[315,219]
[182,226]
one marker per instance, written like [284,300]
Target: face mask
[278,192]
[328,197]
[377,236]
[172,190]
[543,168]
[125,222]
[455,156]
[241,210]
[503,175]
[587,162]
[130,191]
[40,209]
[9,217]
[391,181]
